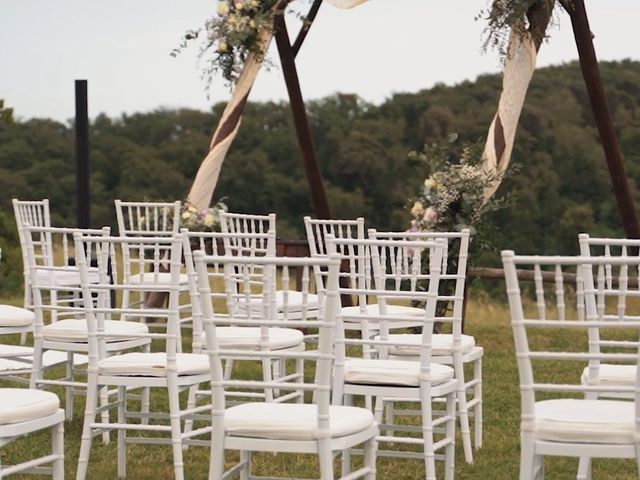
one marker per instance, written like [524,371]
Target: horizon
[69,121]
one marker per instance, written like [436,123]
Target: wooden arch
[524,44]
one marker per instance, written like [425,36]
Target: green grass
[497,460]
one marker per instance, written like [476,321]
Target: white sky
[384,46]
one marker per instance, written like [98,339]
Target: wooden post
[83,218]
[600,107]
[301,122]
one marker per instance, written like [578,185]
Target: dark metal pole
[600,107]
[83,218]
[308,21]
[301,122]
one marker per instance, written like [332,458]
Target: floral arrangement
[452,196]
[201,220]
[231,35]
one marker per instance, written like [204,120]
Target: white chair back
[56,275]
[241,270]
[547,329]
[395,272]
[35,213]
[454,269]
[148,218]
[244,223]
[222,292]
[96,295]
[317,231]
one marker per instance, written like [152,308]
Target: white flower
[239,5]
[417,208]
[186,215]
[223,8]
[209,219]
[429,183]
[430,216]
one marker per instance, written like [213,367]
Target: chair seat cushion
[140,364]
[62,276]
[355,313]
[160,278]
[22,404]
[609,374]
[248,338]
[294,303]
[76,330]
[11,316]
[293,421]
[392,372]
[441,344]
[585,421]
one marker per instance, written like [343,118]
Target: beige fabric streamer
[518,70]
[346,3]
[207,177]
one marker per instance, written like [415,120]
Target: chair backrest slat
[148,218]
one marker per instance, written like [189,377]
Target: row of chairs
[412,346]
[174,370]
[149,218]
[575,323]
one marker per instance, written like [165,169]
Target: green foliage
[506,16]
[230,35]
[6,113]
[453,194]
[562,187]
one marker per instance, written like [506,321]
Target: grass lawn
[488,321]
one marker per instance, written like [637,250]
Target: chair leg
[326,459]
[427,437]
[228,369]
[538,467]
[89,418]
[68,409]
[191,403]
[266,376]
[176,431]
[36,372]
[477,395]
[584,469]
[463,411]
[104,416]
[450,450]
[527,456]
[245,458]
[216,459]
[346,454]
[122,434]
[57,435]
[54,302]
[146,391]
[300,372]
[370,449]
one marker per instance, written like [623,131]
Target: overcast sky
[384,46]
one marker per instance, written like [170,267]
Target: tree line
[562,187]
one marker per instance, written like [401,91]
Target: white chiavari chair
[398,272]
[314,426]
[561,414]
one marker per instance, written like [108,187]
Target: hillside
[562,187]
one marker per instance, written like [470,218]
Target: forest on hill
[561,188]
